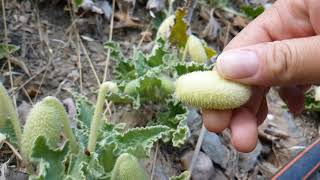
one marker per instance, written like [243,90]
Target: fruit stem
[97,116]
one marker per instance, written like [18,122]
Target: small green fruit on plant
[46,119]
[165,26]
[9,113]
[43,120]
[196,49]
[208,90]
[127,167]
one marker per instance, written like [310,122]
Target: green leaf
[188,67]
[140,63]
[156,58]
[183,176]
[51,162]
[124,69]
[9,132]
[6,49]
[179,30]
[252,12]
[159,18]
[78,2]
[85,167]
[311,104]
[136,141]
[139,141]
[85,110]
[174,116]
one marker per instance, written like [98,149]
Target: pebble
[203,168]
[213,147]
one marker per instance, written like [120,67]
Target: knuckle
[281,60]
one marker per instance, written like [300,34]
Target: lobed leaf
[50,161]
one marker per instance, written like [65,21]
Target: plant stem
[98,112]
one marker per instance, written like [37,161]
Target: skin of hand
[281,48]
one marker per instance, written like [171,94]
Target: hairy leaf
[188,67]
[85,167]
[125,68]
[85,110]
[51,162]
[136,141]
[174,116]
[156,58]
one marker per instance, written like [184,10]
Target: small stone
[213,147]
[203,168]
[194,120]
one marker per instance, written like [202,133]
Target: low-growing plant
[98,149]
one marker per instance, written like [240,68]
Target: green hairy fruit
[127,167]
[196,49]
[45,119]
[9,113]
[165,26]
[208,90]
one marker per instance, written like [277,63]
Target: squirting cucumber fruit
[127,167]
[44,119]
[208,90]
[196,49]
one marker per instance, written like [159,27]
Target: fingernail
[238,64]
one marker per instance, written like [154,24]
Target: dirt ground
[61,52]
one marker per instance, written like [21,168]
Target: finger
[244,130]
[293,96]
[262,112]
[255,100]
[286,19]
[294,61]
[215,120]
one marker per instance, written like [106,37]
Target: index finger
[286,19]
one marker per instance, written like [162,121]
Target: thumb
[294,61]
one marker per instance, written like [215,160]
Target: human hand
[281,47]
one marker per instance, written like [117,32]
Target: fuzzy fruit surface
[196,49]
[128,168]
[7,110]
[207,89]
[165,26]
[43,120]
